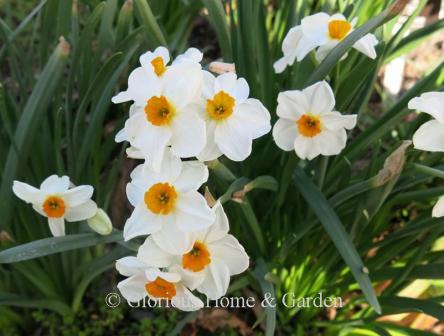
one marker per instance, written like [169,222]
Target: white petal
[320,97]
[193,175]
[182,82]
[216,281]
[55,184]
[366,45]
[142,85]
[234,140]
[438,209]
[188,138]
[57,226]
[152,143]
[154,273]
[141,223]
[253,115]
[121,136]
[284,134]
[172,239]
[315,27]
[335,120]
[133,288]
[135,193]
[220,227]
[146,58]
[280,65]
[211,151]
[431,103]
[324,50]
[230,252]
[28,193]
[290,47]
[78,195]
[185,300]
[305,46]
[331,142]
[225,82]
[193,213]
[81,211]
[305,148]
[152,255]
[189,279]
[430,137]
[191,54]
[292,104]
[129,266]
[208,84]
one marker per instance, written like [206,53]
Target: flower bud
[100,223]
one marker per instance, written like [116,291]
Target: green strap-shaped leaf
[269,297]
[9,299]
[404,304]
[218,20]
[146,17]
[328,218]
[30,118]
[47,246]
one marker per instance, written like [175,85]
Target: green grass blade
[47,246]
[218,20]
[405,304]
[30,118]
[146,17]
[337,233]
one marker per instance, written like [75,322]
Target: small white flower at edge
[233,120]
[57,202]
[307,123]
[214,257]
[167,203]
[158,285]
[430,136]
[324,32]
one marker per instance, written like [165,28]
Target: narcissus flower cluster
[180,111]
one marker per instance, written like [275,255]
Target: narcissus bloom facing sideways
[307,123]
[158,285]
[167,203]
[324,32]
[57,202]
[214,257]
[430,136]
[233,120]
[163,113]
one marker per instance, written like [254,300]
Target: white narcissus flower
[307,123]
[214,257]
[158,285]
[323,31]
[163,113]
[430,136]
[167,203]
[233,120]
[57,202]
